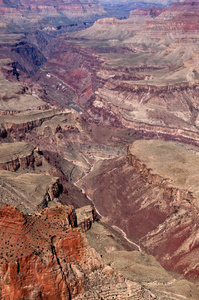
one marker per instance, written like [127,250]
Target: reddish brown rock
[72,9]
[42,257]
[157,208]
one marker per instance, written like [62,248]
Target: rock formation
[85,217]
[71,103]
[29,191]
[16,155]
[21,12]
[38,264]
[152,194]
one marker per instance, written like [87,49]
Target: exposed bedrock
[28,191]
[86,215]
[28,58]
[70,68]
[165,112]
[58,265]
[18,124]
[22,54]
[16,155]
[73,10]
[154,198]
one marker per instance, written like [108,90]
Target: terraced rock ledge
[176,166]
[28,191]
[14,155]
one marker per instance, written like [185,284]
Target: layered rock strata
[23,122]
[147,81]
[38,264]
[16,155]
[28,191]
[25,10]
[86,215]
[152,194]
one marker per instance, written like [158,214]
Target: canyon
[157,181]
[99,136]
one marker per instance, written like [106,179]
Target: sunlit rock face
[147,78]
[20,10]
[71,105]
[45,256]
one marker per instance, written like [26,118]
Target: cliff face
[55,263]
[180,17]
[147,109]
[28,58]
[102,92]
[21,123]
[85,217]
[16,155]
[157,212]
[40,9]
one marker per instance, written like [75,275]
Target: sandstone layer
[28,191]
[16,155]
[47,13]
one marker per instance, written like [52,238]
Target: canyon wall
[154,211]
[73,10]
[57,266]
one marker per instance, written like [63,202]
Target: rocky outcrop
[55,263]
[102,29]
[86,215]
[26,189]
[21,123]
[180,17]
[16,155]
[147,109]
[29,191]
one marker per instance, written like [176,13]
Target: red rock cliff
[45,257]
